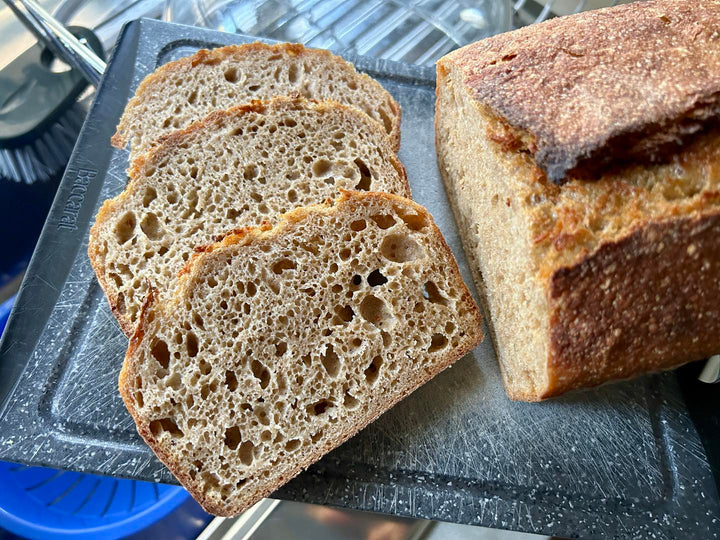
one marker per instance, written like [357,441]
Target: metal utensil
[59,40]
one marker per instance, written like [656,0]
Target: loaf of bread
[186,90]
[582,160]
[236,168]
[281,343]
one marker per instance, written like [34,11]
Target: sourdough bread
[186,90]
[281,343]
[589,279]
[236,168]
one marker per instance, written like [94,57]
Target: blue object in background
[36,502]
[5,308]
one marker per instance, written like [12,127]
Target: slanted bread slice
[281,343]
[235,168]
[182,92]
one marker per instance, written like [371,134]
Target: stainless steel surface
[242,527]
[62,43]
[413,31]
[270,520]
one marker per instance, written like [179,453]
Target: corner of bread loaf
[642,303]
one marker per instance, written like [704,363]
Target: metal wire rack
[415,31]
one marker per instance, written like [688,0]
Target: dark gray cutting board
[621,461]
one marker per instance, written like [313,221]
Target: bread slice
[235,168]
[182,92]
[281,343]
[589,279]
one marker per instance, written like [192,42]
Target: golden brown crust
[215,56]
[604,86]
[380,404]
[645,303]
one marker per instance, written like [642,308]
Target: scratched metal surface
[621,461]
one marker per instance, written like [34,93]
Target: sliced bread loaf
[281,343]
[235,168]
[182,92]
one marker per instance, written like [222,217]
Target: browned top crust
[625,83]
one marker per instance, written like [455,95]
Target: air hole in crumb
[437,342]
[232,437]
[250,172]
[231,75]
[261,373]
[231,380]
[345,254]
[205,367]
[356,280]
[384,221]
[283,264]
[386,120]
[375,311]
[321,167]
[280,348]
[400,248]
[449,328]
[262,415]
[358,225]
[293,73]
[330,361]
[198,320]
[292,445]
[125,228]
[161,353]
[365,176]
[315,437]
[150,196]
[174,381]
[386,338]
[432,293]
[350,402]
[165,425]
[320,407]
[415,222]
[376,278]
[373,370]
[192,344]
[344,314]
[246,452]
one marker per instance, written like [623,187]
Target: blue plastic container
[36,502]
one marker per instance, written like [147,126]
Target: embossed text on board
[74,201]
